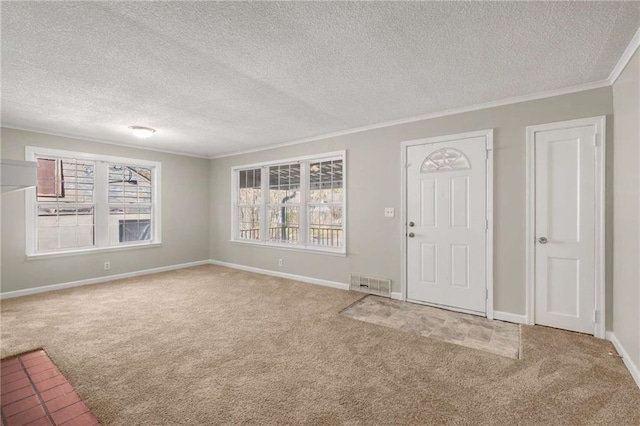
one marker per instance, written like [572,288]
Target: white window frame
[304,204]
[101,202]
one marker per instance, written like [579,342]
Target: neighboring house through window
[294,203]
[86,202]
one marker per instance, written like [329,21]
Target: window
[249,204]
[129,203]
[445,159]
[65,203]
[85,202]
[297,203]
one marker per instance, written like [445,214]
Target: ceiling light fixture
[142,132]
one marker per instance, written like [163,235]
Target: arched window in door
[445,160]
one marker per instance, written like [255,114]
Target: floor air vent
[377,286]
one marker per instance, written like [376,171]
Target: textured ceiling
[214,77]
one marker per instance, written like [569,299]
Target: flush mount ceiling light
[142,132]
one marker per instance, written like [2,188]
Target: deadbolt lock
[411,224]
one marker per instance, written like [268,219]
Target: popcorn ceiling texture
[214,78]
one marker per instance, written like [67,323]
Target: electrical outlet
[389,212]
[280,263]
[107,266]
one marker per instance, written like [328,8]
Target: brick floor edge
[35,393]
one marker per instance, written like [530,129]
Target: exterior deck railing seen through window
[325,237]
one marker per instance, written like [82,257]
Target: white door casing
[565,225]
[447,222]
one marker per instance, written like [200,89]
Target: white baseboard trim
[509,317]
[52,287]
[304,279]
[633,369]
[396,296]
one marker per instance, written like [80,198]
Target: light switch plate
[389,212]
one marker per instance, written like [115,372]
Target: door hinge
[486,224]
[486,294]
[595,139]
[595,316]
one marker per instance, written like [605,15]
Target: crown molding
[625,58]
[453,111]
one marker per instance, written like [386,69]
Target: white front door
[565,179]
[447,223]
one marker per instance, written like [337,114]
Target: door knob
[411,235]
[411,224]
[542,240]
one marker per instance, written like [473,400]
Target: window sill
[65,253]
[303,249]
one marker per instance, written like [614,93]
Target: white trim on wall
[97,280]
[599,124]
[489,233]
[509,317]
[488,135]
[396,295]
[628,362]
[302,278]
[502,316]
[625,58]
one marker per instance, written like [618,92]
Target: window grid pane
[284,224]
[249,201]
[325,225]
[64,203]
[129,223]
[65,180]
[65,226]
[129,184]
[249,223]
[283,214]
[326,195]
[130,204]
[250,188]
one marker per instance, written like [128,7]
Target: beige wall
[626,223]
[194,187]
[373,161]
[185,218]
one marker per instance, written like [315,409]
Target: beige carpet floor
[210,345]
